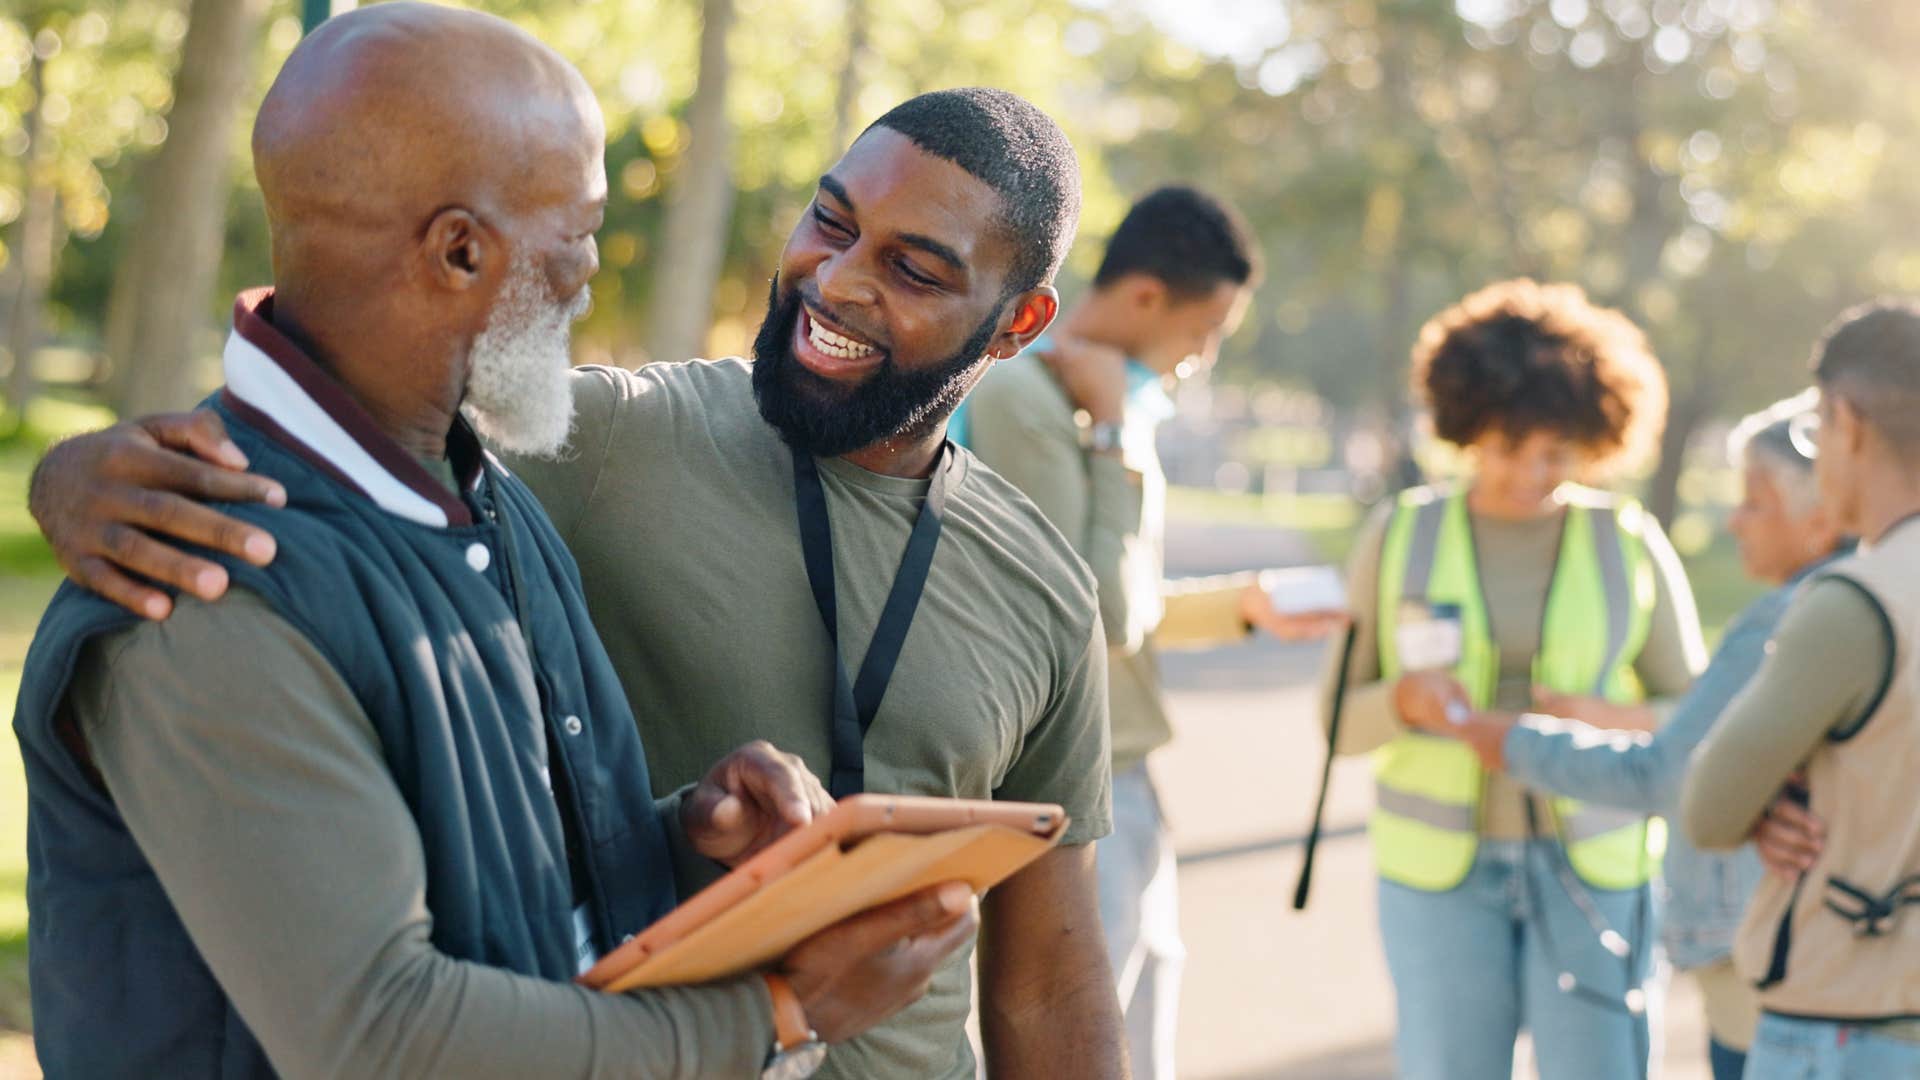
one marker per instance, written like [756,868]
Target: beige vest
[1809,959]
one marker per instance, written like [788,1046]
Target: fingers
[879,928]
[98,575]
[779,784]
[132,550]
[180,518]
[169,469]
[199,432]
[1789,838]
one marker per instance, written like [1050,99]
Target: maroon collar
[274,385]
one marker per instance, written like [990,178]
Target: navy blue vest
[437,653]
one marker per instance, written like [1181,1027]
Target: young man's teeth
[834,345]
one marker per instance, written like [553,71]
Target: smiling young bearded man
[735,523]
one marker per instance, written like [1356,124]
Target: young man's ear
[1032,313]
[1146,294]
[456,250]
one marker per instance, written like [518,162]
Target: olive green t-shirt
[677,501]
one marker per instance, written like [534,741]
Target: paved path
[1272,993]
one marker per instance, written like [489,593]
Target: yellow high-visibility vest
[1425,824]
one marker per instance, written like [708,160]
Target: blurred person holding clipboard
[1501,907]
[1072,423]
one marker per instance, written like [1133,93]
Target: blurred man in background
[1836,951]
[1175,280]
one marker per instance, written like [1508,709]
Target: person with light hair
[1832,719]
[1566,746]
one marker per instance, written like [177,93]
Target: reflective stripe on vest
[1425,825]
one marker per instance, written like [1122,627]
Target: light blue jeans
[1140,908]
[1474,965]
[1786,1049]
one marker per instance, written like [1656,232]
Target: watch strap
[790,1027]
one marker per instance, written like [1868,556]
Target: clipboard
[867,851]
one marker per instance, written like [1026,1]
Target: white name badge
[584,953]
[1428,644]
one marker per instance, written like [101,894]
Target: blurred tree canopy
[1730,172]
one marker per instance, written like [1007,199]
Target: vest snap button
[573,725]
[479,558]
[626,938]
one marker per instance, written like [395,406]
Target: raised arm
[1026,433]
[1632,772]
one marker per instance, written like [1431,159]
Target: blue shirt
[1147,397]
[1707,892]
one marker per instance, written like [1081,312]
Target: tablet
[867,851]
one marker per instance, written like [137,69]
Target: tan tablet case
[869,850]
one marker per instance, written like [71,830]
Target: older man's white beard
[518,396]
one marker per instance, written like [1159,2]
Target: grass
[28,576]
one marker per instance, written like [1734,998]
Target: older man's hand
[749,799]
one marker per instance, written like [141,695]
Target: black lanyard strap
[857,701]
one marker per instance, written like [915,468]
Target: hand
[93,495]
[1431,701]
[1486,734]
[1094,377]
[1257,610]
[751,798]
[1593,711]
[858,972]
[1789,838]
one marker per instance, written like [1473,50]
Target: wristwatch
[1101,438]
[797,1050]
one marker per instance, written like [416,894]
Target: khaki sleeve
[1676,652]
[1200,613]
[1824,669]
[265,807]
[1368,719]
[1026,435]
[1067,757]
[565,484]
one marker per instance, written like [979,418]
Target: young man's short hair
[1185,238]
[1017,150]
[1871,357]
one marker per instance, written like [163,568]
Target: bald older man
[369,814]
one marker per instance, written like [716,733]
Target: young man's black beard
[816,416]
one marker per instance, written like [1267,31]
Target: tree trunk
[1684,417]
[694,239]
[846,96]
[33,249]
[159,301]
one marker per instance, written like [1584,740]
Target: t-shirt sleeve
[191,753]
[1066,758]
[565,483]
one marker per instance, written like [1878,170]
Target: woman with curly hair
[1501,908]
